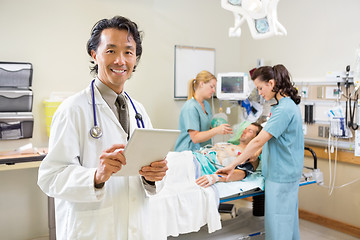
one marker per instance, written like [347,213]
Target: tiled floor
[308,230]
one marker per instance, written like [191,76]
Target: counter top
[342,155]
[10,161]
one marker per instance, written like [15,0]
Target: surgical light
[252,5]
[261,16]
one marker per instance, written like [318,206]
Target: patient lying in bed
[208,160]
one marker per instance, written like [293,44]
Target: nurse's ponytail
[191,88]
[283,83]
[193,84]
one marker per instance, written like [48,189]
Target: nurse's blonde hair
[193,84]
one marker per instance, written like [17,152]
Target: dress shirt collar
[107,93]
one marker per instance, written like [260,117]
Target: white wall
[322,36]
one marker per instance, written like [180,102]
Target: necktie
[123,113]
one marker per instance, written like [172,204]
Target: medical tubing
[331,185]
[93,103]
[332,179]
[344,185]
[346,106]
[136,112]
[245,168]
[210,179]
[351,123]
[335,164]
[216,178]
[212,161]
[329,150]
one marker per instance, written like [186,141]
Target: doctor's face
[265,88]
[115,57]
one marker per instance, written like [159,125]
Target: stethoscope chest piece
[96,132]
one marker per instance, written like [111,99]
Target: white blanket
[182,206]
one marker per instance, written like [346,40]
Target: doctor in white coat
[90,203]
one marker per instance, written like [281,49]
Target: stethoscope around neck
[96,131]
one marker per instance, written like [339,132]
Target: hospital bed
[309,177]
[186,211]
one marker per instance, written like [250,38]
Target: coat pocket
[93,224]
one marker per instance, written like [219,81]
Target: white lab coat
[119,209]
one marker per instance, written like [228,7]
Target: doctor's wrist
[152,183]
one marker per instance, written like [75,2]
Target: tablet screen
[146,146]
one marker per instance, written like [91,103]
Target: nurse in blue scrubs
[282,143]
[195,115]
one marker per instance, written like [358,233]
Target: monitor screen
[232,86]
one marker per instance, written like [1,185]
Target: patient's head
[250,132]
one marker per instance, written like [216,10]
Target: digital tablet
[146,146]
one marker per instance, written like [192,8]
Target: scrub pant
[281,211]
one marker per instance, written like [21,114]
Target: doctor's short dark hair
[117,22]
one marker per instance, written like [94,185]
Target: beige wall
[342,204]
[322,36]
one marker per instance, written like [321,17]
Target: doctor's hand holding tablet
[140,156]
[112,161]
[145,153]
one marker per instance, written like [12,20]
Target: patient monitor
[232,86]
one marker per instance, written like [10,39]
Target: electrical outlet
[304,92]
[304,126]
[326,133]
[321,131]
[319,92]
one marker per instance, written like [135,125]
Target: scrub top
[192,117]
[283,154]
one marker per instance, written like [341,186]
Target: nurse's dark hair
[117,22]
[283,83]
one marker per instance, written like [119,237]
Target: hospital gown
[207,161]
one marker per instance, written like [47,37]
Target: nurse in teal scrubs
[282,143]
[195,115]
